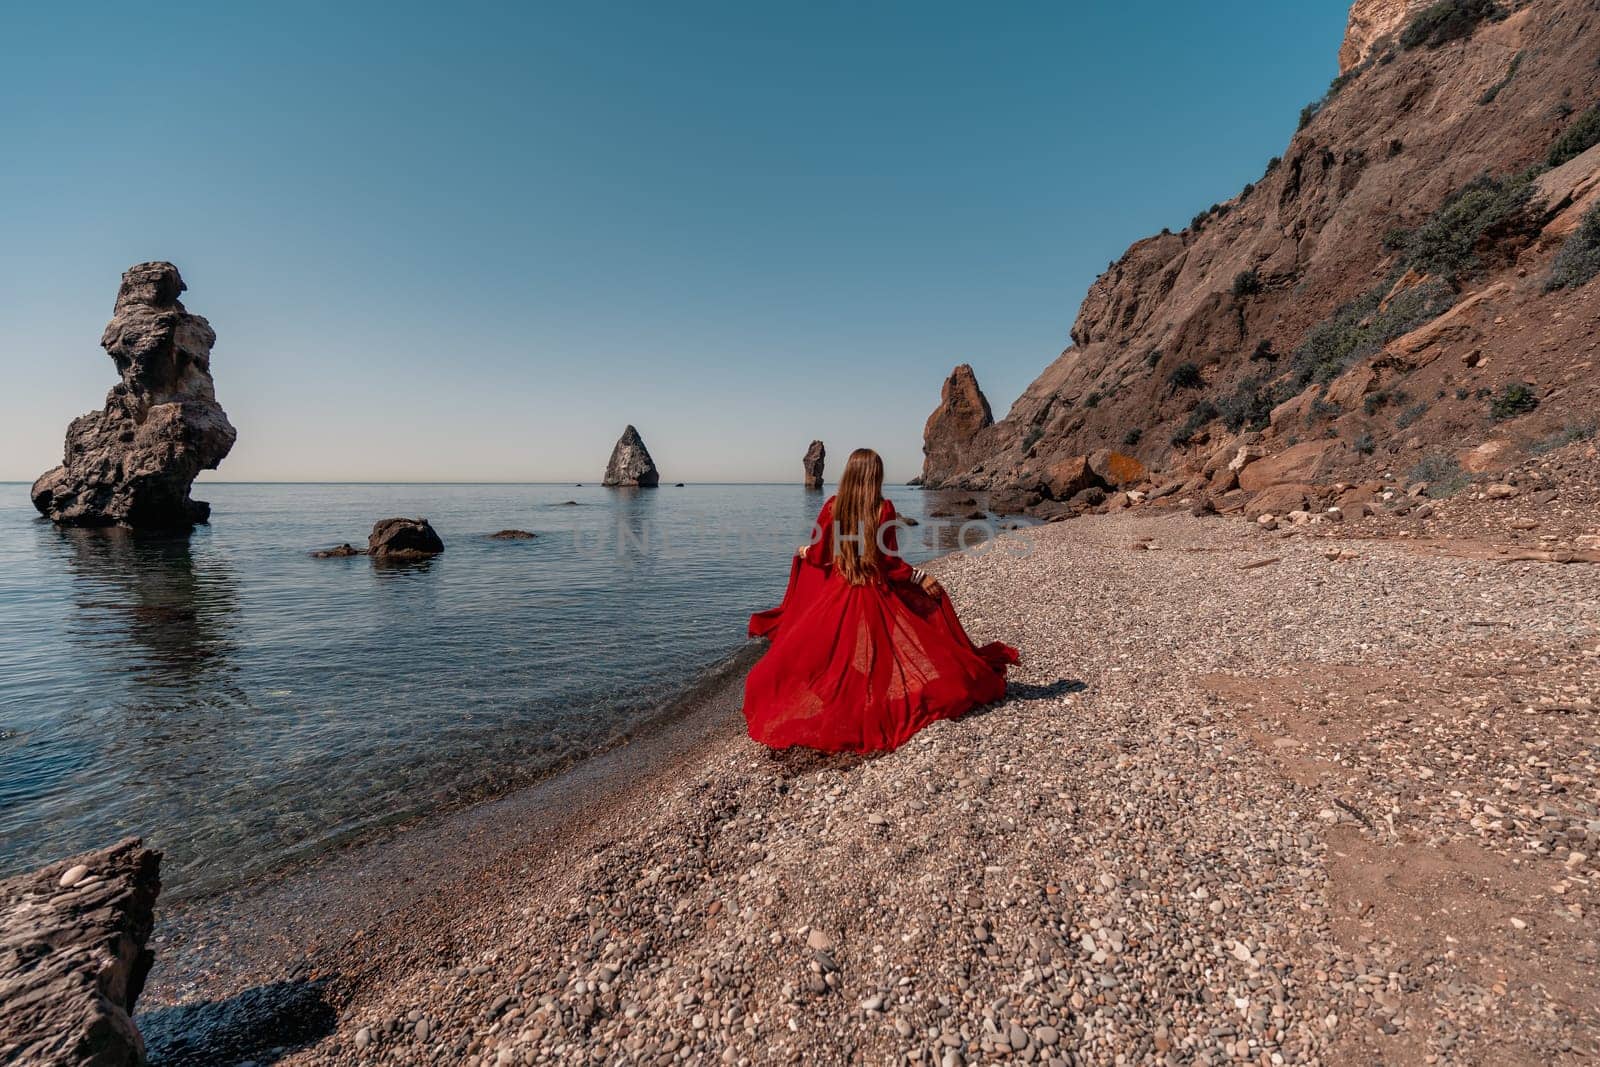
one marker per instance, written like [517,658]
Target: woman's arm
[819,552]
[896,569]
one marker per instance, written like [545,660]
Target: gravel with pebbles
[1311,811]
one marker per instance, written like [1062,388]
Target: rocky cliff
[133,463]
[1410,278]
[951,438]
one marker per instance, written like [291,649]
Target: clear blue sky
[472,242]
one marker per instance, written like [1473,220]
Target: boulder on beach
[403,539]
[73,959]
[631,465]
[812,463]
[512,535]
[133,462]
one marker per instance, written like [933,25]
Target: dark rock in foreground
[73,959]
[815,456]
[512,535]
[133,463]
[631,464]
[403,539]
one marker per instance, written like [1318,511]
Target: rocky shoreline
[1315,795]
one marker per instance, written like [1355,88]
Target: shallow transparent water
[240,704]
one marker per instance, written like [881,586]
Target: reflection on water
[150,594]
[240,704]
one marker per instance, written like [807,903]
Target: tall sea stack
[133,463]
[812,465]
[631,464]
[948,438]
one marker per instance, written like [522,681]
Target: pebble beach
[1314,796]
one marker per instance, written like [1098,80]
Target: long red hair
[856,510]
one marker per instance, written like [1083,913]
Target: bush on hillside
[1442,474]
[1132,437]
[1446,245]
[1576,139]
[1185,376]
[1579,258]
[1572,431]
[1447,21]
[1491,94]
[1513,399]
[1250,406]
[1246,283]
[1203,413]
[1363,326]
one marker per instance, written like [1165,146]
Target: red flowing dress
[863,667]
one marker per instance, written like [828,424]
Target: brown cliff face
[1313,305]
[950,439]
[1372,21]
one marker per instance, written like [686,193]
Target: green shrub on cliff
[1363,326]
[1513,399]
[1185,376]
[1447,21]
[1246,283]
[1250,406]
[1441,473]
[1576,139]
[1579,258]
[1446,245]
[1203,413]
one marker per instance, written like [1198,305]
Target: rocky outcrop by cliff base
[815,456]
[631,464]
[950,436]
[132,463]
[73,958]
[403,539]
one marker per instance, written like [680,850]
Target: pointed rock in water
[403,539]
[631,464]
[73,939]
[812,464]
[948,438]
[132,463]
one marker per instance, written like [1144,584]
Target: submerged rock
[512,535]
[403,539]
[631,464]
[73,959]
[133,463]
[343,551]
[815,456]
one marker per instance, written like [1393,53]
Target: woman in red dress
[866,650]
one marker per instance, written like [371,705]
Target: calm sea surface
[240,704]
